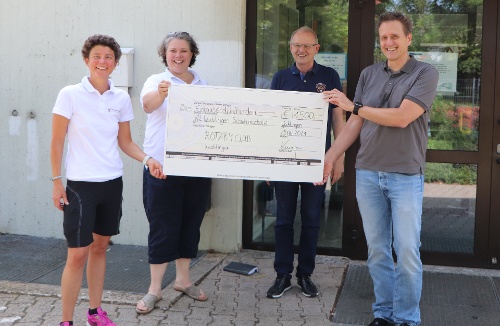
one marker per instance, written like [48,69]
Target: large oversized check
[242,133]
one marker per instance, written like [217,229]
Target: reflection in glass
[330,234]
[276,20]
[448,35]
[263,76]
[449,208]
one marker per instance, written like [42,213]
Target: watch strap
[357,106]
[145,160]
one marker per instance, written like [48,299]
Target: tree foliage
[456,24]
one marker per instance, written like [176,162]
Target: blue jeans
[310,210]
[391,209]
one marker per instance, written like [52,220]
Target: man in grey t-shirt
[389,114]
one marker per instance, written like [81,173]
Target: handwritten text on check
[241,133]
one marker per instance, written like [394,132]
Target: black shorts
[94,207]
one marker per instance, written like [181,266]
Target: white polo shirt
[92,153]
[154,138]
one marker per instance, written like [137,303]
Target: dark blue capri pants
[175,208]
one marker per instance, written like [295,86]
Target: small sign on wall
[337,61]
[446,64]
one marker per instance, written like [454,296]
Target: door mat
[447,299]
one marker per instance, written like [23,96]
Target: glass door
[461,213]
[275,22]
[458,177]
[494,118]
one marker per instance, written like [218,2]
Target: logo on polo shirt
[113,110]
[320,87]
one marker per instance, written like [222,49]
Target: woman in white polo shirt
[96,117]
[176,205]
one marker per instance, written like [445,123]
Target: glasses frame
[298,46]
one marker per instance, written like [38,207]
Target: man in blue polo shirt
[305,75]
[390,113]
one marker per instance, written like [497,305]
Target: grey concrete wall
[40,54]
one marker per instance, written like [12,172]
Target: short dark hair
[193,47]
[400,17]
[103,40]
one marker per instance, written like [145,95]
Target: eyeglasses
[297,46]
[173,34]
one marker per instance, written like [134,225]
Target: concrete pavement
[451,296]
[233,299]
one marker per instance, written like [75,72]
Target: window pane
[451,41]
[449,207]
[330,234]
[276,21]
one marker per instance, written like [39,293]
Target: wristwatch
[145,161]
[357,106]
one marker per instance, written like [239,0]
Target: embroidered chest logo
[113,110]
[320,87]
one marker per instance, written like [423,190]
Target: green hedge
[464,174]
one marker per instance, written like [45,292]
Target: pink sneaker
[99,319]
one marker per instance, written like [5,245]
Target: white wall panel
[40,54]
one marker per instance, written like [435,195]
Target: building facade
[40,54]
[242,44]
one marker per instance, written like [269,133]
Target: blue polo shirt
[318,79]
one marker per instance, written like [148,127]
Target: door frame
[494,230]
[361,48]
[486,228]
[483,158]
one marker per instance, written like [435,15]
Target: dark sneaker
[380,322]
[280,286]
[308,288]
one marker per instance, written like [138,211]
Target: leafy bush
[449,173]
[451,129]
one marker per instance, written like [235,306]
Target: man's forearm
[348,135]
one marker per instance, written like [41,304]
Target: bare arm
[393,117]
[130,148]
[59,128]
[153,100]
[338,121]
[338,124]
[350,132]
[400,117]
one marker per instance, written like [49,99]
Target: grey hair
[162,48]
[305,29]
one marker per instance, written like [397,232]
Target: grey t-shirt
[392,149]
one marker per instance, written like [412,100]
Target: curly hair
[103,40]
[400,17]
[193,47]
